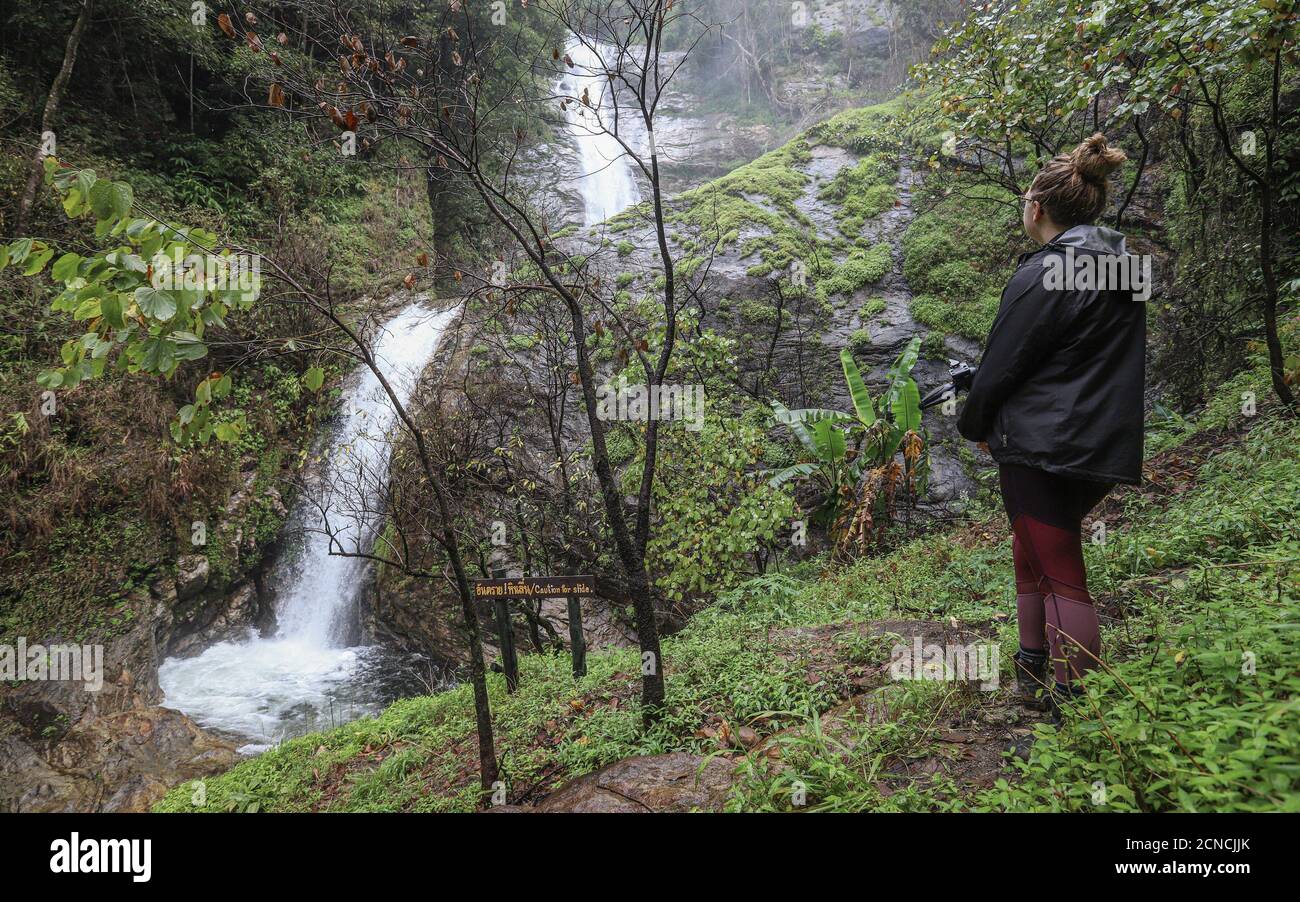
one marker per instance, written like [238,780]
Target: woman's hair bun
[1094,159]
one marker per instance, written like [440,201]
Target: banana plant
[902,400]
[838,447]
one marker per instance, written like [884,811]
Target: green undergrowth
[1203,577]
[1197,710]
[1196,707]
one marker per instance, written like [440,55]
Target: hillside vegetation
[763,544]
[1198,576]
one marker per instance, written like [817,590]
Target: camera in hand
[960,376]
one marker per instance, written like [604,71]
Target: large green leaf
[830,443]
[811,415]
[19,250]
[857,389]
[65,267]
[188,346]
[906,409]
[901,371]
[798,470]
[797,426]
[155,303]
[36,262]
[314,378]
[101,199]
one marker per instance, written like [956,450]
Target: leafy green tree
[717,517]
[147,298]
[1019,81]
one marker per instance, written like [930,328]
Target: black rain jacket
[1060,385]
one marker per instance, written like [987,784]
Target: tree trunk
[1268,193]
[1275,363]
[52,102]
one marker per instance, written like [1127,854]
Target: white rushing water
[607,183]
[305,677]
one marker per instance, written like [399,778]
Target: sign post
[501,590]
[509,659]
[577,642]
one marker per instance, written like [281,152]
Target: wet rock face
[116,762]
[793,354]
[226,618]
[64,747]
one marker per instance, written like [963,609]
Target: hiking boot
[1059,697]
[1022,742]
[1031,680]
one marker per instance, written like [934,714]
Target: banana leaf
[810,415]
[781,477]
[901,371]
[906,407]
[857,389]
[783,415]
[831,447]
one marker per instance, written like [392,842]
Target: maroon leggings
[1053,607]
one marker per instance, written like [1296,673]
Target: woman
[1057,401]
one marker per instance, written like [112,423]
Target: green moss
[757,198]
[860,340]
[522,342]
[756,312]
[958,255]
[861,130]
[971,318]
[933,346]
[864,266]
[872,308]
[861,192]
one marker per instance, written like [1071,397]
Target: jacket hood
[1093,238]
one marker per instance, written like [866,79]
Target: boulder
[220,620]
[675,782]
[116,762]
[191,575]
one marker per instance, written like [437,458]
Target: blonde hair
[1072,187]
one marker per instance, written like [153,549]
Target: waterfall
[304,676]
[325,584]
[606,183]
